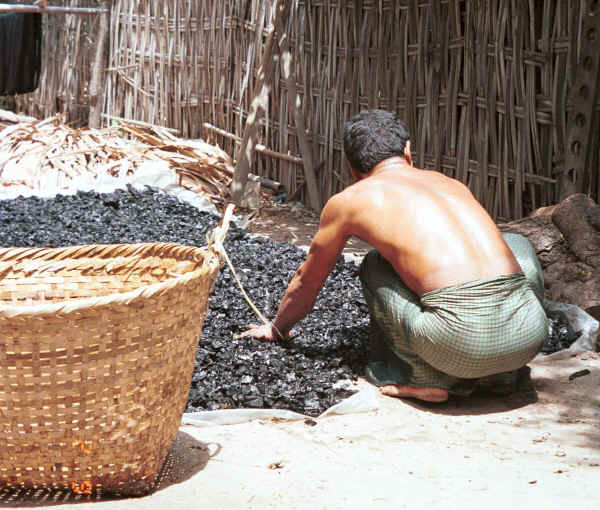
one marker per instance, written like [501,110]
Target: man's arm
[303,289]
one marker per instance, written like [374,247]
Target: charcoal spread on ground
[307,375]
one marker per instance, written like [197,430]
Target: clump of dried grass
[32,151]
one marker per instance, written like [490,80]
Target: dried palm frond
[36,153]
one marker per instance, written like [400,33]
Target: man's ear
[354,173]
[407,154]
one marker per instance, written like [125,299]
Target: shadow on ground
[187,456]
[478,405]
[563,400]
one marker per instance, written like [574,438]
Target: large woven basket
[97,348]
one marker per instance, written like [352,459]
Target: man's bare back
[428,226]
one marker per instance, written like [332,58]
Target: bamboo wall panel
[179,63]
[482,84]
[67,52]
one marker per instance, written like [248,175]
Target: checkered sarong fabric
[451,336]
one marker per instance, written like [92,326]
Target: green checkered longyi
[449,337]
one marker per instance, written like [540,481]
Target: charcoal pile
[561,334]
[308,374]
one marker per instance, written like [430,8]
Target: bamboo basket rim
[71,305]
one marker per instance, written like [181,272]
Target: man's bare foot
[404,391]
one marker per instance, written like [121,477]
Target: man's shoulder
[337,203]
[347,198]
[343,208]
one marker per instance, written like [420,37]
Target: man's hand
[262,332]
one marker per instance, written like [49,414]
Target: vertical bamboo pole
[98,73]
[259,104]
[295,106]
[583,97]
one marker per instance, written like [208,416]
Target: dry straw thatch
[52,153]
[484,85]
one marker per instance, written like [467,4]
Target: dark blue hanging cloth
[20,52]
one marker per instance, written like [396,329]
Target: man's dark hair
[373,136]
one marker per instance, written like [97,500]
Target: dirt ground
[538,448]
[294,224]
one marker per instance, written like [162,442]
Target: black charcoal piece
[579,373]
[561,335]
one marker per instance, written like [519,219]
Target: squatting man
[451,299]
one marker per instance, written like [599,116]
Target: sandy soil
[539,450]
[294,224]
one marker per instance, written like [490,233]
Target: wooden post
[583,95]
[295,106]
[259,104]
[98,73]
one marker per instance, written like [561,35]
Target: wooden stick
[295,106]
[258,106]
[98,76]
[141,123]
[259,147]
[301,186]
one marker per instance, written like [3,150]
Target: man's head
[373,136]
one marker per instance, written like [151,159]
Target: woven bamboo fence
[484,85]
[68,50]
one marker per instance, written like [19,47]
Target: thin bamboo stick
[5,8]
[140,123]
[258,147]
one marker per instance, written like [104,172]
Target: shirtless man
[447,293]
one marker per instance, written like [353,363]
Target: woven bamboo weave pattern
[484,85]
[97,345]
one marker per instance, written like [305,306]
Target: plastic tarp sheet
[364,400]
[579,320]
[156,174]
